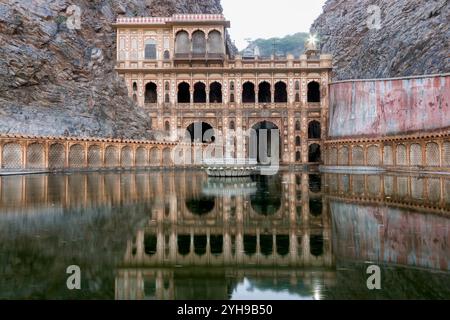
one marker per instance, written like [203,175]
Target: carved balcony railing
[199,57]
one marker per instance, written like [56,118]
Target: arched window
[215,92]
[199,92]
[232,125]
[151,95]
[264,94]
[198,43]
[232,85]
[298,126]
[313,92]
[248,93]
[184,94]
[232,98]
[182,43]
[314,130]
[166,98]
[167,126]
[297,85]
[298,141]
[314,153]
[215,43]
[150,49]
[298,156]
[166,55]
[134,86]
[280,92]
[167,86]
[297,97]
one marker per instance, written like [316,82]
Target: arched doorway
[313,92]
[184,95]
[215,92]
[314,130]
[248,92]
[280,92]
[200,206]
[266,201]
[199,92]
[200,132]
[264,94]
[151,95]
[314,154]
[316,245]
[262,141]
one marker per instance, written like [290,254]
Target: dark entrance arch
[313,92]
[200,205]
[199,92]
[215,92]
[316,245]
[184,94]
[248,92]
[314,130]
[264,94]
[151,95]
[200,132]
[266,201]
[264,131]
[280,92]
[314,154]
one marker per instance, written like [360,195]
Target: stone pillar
[140,245]
[293,247]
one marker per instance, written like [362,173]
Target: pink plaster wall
[389,107]
[390,235]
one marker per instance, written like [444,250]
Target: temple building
[182,71]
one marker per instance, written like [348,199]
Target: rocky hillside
[55,80]
[413,38]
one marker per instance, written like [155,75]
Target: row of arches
[200,94]
[80,157]
[414,154]
[265,244]
[199,44]
[314,129]
[215,95]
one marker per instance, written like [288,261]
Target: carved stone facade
[175,68]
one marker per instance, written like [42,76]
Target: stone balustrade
[32,153]
[416,152]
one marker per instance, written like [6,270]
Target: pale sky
[269,18]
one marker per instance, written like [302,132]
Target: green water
[180,235]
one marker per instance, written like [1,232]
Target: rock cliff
[412,37]
[55,80]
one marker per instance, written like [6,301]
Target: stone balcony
[231,106]
[323,62]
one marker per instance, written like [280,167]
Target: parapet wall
[28,153]
[395,124]
[374,108]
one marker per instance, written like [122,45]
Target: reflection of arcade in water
[272,225]
[180,235]
[289,236]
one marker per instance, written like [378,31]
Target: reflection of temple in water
[183,235]
[310,223]
[280,223]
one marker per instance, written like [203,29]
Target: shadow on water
[179,235]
